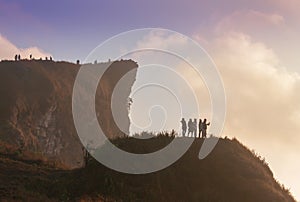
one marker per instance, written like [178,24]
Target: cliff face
[36,107]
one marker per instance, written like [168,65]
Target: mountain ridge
[230,173]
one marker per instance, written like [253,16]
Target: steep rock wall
[36,107]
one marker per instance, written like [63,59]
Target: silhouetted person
[19,57]
[204,128]
[78,62]
[46,58]
[195,128]
[51,58]
[190,125]
[200,127]
[183,126]
[30,56]
[16,57]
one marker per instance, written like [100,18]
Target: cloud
[9,50]
[249,21]
[161,39]
[262,100]
[262,97]
[263,103]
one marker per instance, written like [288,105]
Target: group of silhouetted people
[18,57]
[193,126]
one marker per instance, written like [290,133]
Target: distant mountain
[36,107]
[230,173]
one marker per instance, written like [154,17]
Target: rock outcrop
[36,107]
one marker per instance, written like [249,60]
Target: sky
[255,45]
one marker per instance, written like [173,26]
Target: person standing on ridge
[195,127]
[204,128]
[200,127]
[190,125]
[183,126]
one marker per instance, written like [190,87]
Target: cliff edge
[36,108]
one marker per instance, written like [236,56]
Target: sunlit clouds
[9,50]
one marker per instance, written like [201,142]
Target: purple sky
[71,29]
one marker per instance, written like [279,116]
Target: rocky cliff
[36,107]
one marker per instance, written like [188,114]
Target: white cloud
[161,39]
[261,93]
[8,50]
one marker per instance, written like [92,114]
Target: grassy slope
[230,173]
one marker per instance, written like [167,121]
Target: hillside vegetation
[230,173]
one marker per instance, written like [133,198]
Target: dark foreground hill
[230,173]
